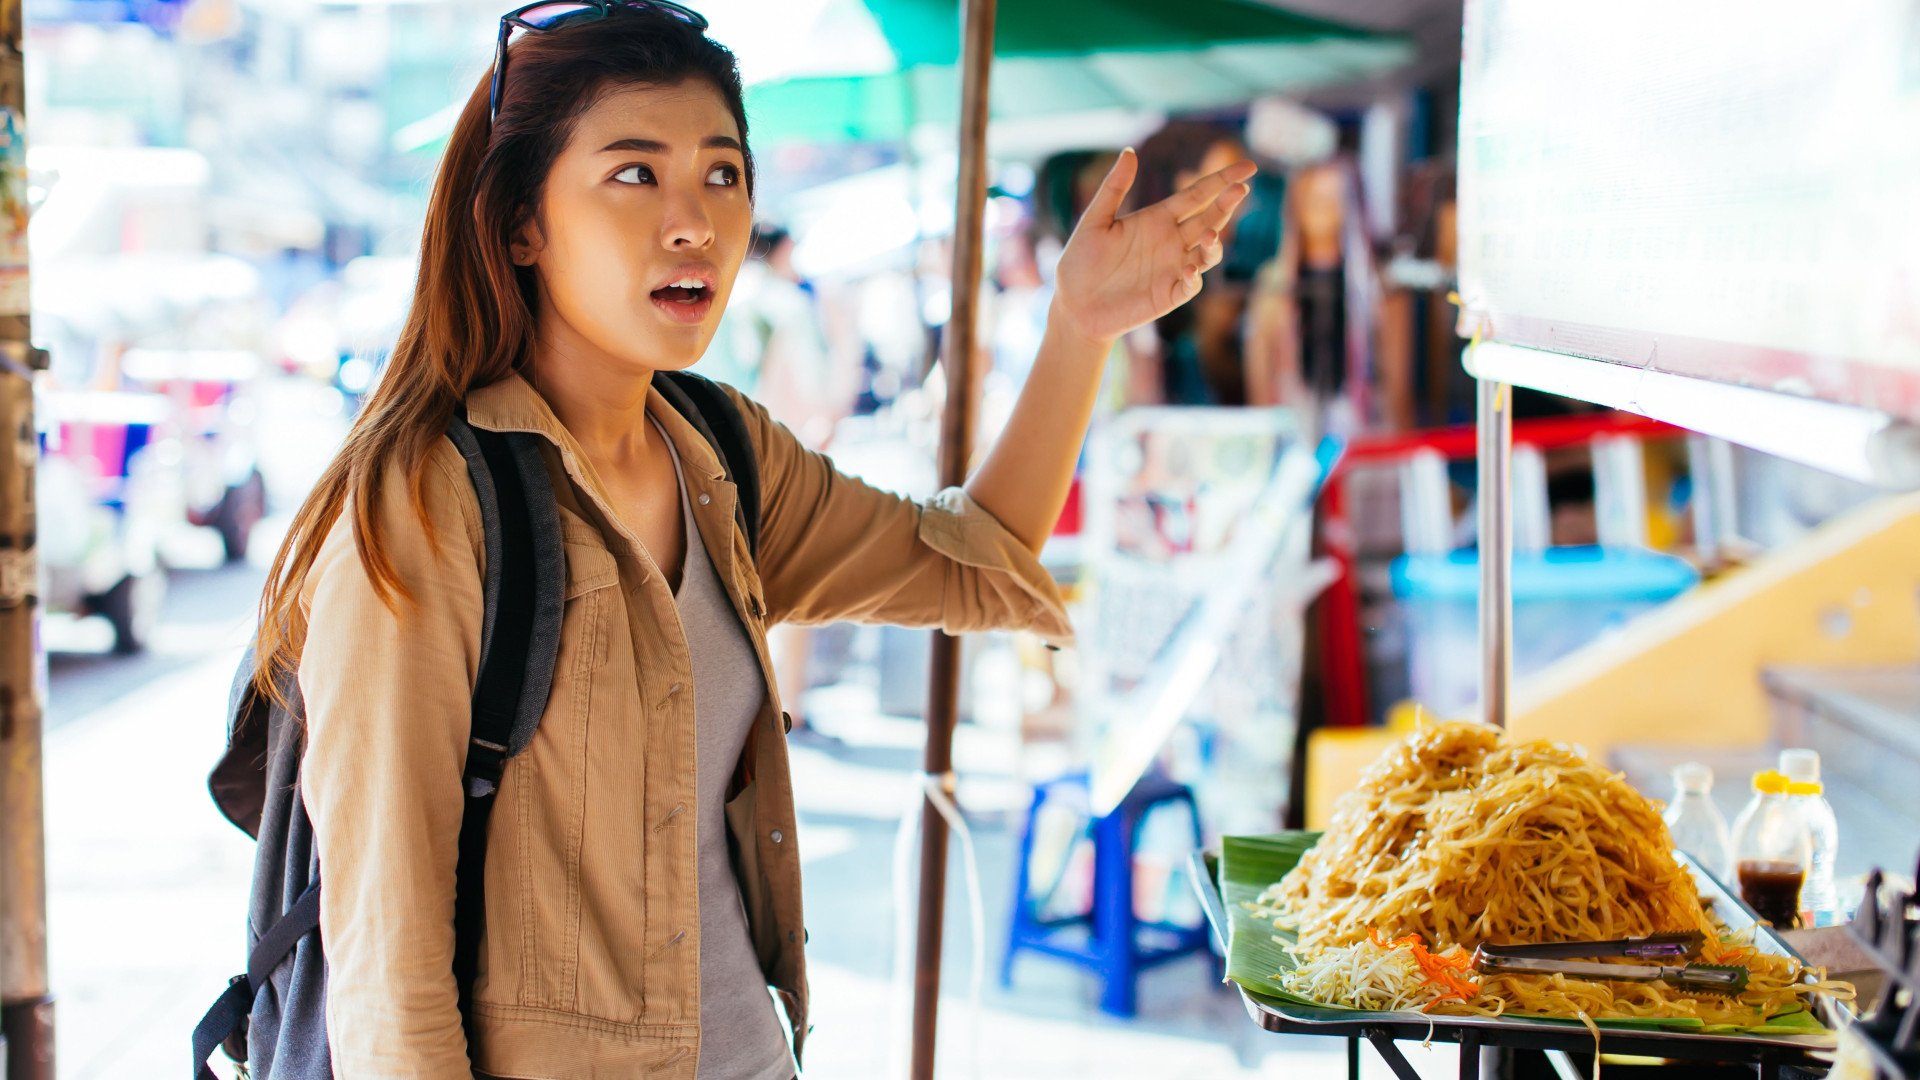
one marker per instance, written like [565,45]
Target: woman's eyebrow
[655,146]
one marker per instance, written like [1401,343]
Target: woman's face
[1320,203]
[648,195]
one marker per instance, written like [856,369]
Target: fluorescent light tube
[1860,444]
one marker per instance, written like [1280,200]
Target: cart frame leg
[1383,1045]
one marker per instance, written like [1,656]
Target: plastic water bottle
[1772,850]
[1696,824]
[1819,899]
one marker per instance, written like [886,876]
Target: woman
[642,879]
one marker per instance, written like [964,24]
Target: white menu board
[1725,189]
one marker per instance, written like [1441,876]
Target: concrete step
[1864,721]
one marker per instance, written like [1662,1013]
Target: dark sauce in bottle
[1772,890]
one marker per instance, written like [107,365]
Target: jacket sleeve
[835,548]
[388,699]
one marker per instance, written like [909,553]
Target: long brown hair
[472,321]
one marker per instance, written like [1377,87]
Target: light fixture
[1860,444]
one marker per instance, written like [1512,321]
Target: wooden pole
[26,1003]
[26,1000]
[956,451]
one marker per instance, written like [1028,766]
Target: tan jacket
[590,966]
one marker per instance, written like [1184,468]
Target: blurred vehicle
[217,482]
[124,473]
[339,331]
[101,514]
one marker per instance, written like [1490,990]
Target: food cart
[1702,216]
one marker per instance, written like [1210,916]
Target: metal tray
[1767,1052]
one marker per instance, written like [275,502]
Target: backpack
[274,1015]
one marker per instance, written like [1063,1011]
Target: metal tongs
[1565,958]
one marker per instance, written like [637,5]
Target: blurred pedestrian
[1310,322]
[803,385]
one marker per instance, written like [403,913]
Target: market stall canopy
[886,67]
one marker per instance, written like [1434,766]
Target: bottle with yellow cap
[1819,898]
[1772,850]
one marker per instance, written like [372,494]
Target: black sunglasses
[546,15]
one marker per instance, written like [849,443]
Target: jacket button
[705,499]
[786,723]
[674,689]
[777,837]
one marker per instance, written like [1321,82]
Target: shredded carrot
[1440,969]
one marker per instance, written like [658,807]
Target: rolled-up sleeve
[835,548]
[387,698]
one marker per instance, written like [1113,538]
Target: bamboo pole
[956,451]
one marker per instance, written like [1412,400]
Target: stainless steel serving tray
[1530,1032]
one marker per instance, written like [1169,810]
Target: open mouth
[688,301]
[682,294]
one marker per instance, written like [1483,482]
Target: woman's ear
[527,242]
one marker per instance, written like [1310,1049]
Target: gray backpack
[273,1017]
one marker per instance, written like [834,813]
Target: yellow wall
[1688,673]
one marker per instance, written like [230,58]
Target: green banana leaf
[1257,953]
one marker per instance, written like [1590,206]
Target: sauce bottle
[1820,898]
[1772,850]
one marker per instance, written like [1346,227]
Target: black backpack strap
[707,407]
[528,583]
[525,589]
[231,1011]
[524,592]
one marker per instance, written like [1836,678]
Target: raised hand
[1118,273]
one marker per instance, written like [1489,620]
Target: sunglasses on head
[553,14]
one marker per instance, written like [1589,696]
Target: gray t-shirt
[741,1038]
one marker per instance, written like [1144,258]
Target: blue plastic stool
[1107,939]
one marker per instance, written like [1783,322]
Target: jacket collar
[512,404]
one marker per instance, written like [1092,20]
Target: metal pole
[1496,549]
[956,452]
[26,1001]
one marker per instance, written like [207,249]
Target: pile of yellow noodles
[1465,837]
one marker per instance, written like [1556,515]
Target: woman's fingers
[1223,208]
[1194,232]
[1113,190]
[1202,193]
[1200,213]
[1213,218]
[1207,255]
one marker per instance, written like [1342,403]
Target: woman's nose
[687,224]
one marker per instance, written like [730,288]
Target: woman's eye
[634,174]
[729,174]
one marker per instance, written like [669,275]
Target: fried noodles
[1463,837]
